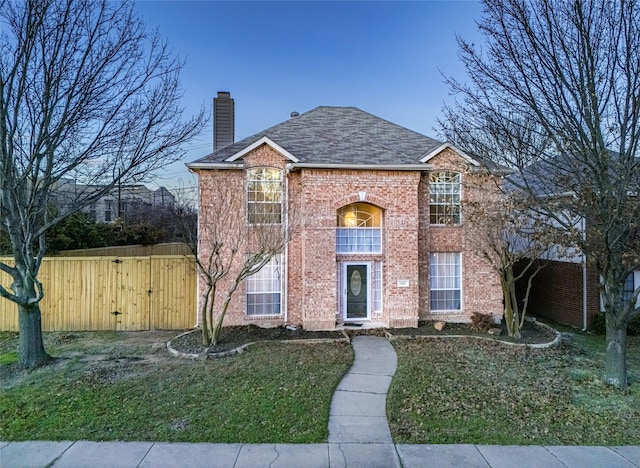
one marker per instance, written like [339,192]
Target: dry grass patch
[465,391]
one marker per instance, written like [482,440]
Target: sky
[386,58]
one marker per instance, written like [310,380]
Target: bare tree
[555,95]
[227,248]
[515,243]
[88,99]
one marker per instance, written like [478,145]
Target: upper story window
[359,229]
[264,195]
[444,197]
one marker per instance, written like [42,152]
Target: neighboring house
[125,201]
[382,239]
[566,290]
[569,293]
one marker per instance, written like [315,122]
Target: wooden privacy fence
[170,248]
[112,293]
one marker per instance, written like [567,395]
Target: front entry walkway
[358,410]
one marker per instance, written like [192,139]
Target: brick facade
[311,292]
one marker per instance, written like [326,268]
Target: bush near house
[599,325]
[481,321]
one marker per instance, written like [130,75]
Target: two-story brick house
[384,240]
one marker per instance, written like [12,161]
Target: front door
[356,287]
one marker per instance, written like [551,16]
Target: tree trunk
[511,317]
[215,335]
[615,364]
[206,297]
[31,346]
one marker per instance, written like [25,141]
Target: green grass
[124,386]
[270,393]
[9,358]
[465,391]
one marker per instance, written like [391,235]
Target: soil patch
[532,332]
[382,332]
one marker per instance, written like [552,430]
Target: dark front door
[357,288]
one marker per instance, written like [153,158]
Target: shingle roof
[338,135]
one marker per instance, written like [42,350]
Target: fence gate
[131,311]
[107,293]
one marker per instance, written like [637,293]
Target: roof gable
[431,154]
[262,141]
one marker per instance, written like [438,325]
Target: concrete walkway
[358,410]
[84,454]
[359,436]
[358,413]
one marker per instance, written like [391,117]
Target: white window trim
[282,284]
[360,252]
[374,265]
[282,196]
[459,203]
[344,291]
[447,311]
[356,228]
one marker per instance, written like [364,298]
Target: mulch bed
[531,332]
[234,337]
[237,336]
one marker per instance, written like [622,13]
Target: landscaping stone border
[206,354]
[175,352]
[551,344]
[240,349]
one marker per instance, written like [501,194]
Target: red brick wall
[556,293]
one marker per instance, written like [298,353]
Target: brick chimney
[223,120]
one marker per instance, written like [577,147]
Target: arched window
[444,197]
[359,229]
[264,195]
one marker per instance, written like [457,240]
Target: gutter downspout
[285,270]
[584,279]
[198,298]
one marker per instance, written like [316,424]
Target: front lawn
[106,387]
[477,392]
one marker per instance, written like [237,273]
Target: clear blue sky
[386,58]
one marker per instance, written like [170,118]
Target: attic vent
[295,114]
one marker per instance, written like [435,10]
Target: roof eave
[363,167]
[212,165]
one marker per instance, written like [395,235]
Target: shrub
[599,325]
[481,321]
[634,326]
